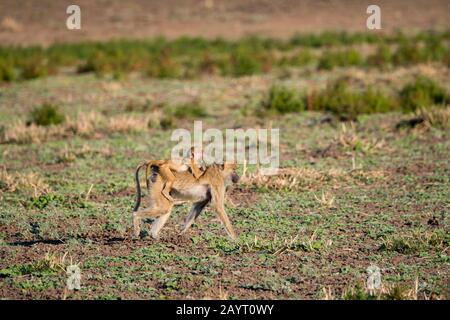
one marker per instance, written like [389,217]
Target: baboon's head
[229,172]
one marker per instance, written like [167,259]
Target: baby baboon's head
[229,172]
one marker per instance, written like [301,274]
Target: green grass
[332,59]
[423,93]
[283,100]
[347,102]
[46,115]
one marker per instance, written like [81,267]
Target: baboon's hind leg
[195,211]
[146,213]
[159,223]
[167,175]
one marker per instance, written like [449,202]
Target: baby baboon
[166,169]
[210,186]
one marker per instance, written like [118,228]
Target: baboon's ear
[222,166]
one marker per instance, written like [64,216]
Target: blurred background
[43,22]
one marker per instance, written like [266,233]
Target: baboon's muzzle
[234,177]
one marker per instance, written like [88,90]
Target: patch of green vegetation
[423,93]
[43,201]
[330,38]
[392,292]
[34,66]
[164,66]
[343,58]
[382,58]
[415,243]
[46,115]
[339,99]
[400,245]
[358,293]
[167,122]
[7,73]
[244,61]
[270,281]
[40,267]
[348,102]
[190,110]
[303,58]
[283,100]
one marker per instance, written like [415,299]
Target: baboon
[166,169]
[209,187]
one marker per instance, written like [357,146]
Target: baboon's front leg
[219,198]
[196,209]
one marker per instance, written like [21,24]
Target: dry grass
[127,124]
[289,178]
[310,179]
[20,133]
[386,291]
[277,246]
[86,125]
[28,183]
[348,138]
[435,117]
[56,262]
[325,200]
[9,24]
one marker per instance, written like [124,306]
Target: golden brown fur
[209,187]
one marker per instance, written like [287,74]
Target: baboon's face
[229,172]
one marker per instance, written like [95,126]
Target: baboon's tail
[138,187]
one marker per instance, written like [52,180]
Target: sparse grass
[51,263]
[326,199]
[127,124]
[385,292]
[349,139]
[31,184]
[416,242]
[436,116]
[87,125]
[277,246]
